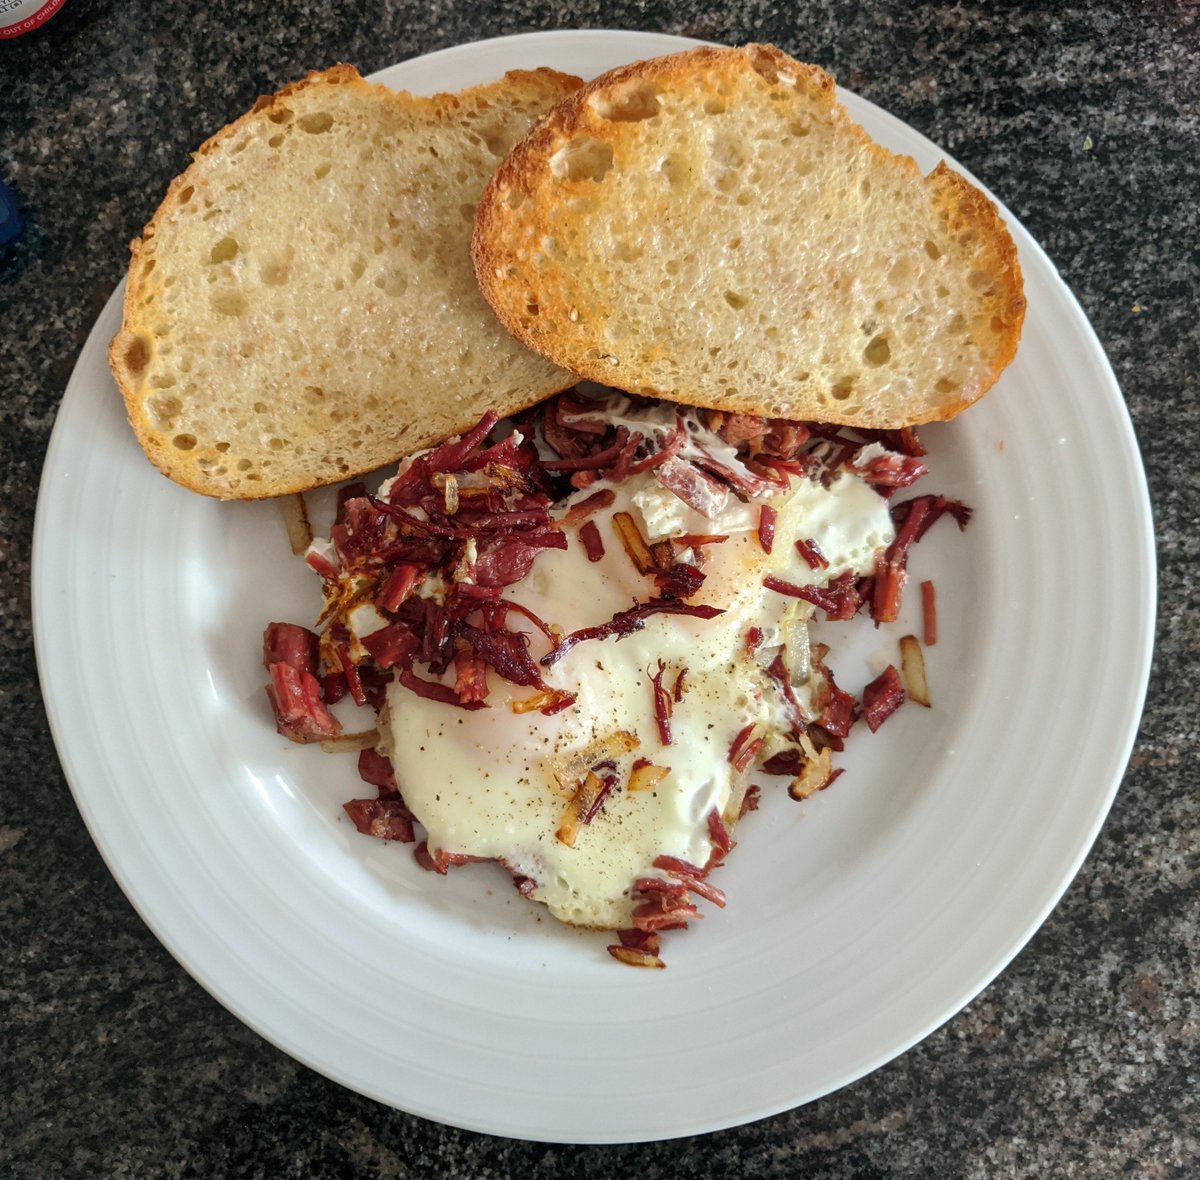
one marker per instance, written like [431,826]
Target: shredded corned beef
[929,614]
[387,819]
[593,543]
[626,622]
[744,747]
[882,697]
[663,702]
[811,552]
[912,520]
[295,693]
[434,550]
[696,488]
[766,527]
[840,599]
[882,468]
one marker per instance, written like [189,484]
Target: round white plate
[857,922]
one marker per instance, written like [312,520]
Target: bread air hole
[629,102]
[878,352]
[902,274]
[136,355]
[164,411]
[275,274]
[393,284]
[224,251]
[316,124]
[674,169]
[727,150]
[230,303]
[736,301]
[582,159]
[715,106]
[761,62]
[842,389]
[496,142]
[322,170]
[184,442]
[944,385]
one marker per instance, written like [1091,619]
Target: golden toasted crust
[301,307]
[712,227]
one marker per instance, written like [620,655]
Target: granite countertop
[1081,1059]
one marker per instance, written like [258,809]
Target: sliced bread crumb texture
[712,227]
[302,307]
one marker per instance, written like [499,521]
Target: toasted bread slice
[302,307]
[712,227]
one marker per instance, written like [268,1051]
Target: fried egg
[489,783]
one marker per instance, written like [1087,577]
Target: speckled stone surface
[1080,1060]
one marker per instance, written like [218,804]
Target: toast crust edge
[525,171]
[126,347]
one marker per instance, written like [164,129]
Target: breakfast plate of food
[537,610]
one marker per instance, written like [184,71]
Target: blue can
[10,217]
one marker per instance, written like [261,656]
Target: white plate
[857,923]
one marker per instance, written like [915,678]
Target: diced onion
[633,957]
[365,740]
[569,771]
[295,520]
[645,776]
[575,811]
[912,669]
[818,766]
[633,542]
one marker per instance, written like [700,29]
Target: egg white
[483,782]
